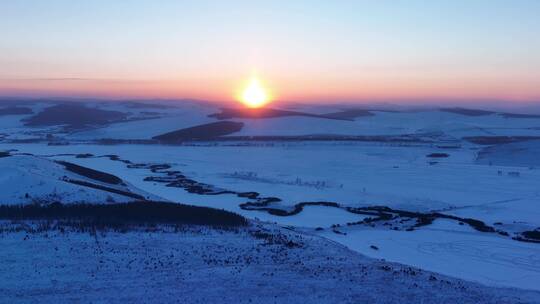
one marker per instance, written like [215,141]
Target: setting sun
[254,95]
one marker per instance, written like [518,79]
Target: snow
[290,126]
[175,119]
[472,182]
[213,266]
[26,179]
[484,258]
[394,123]
[188,114]
[356,175]
[519,154]
[457,185]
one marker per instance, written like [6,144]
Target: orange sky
[309,51]
[323,90]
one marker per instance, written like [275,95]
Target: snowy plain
[360,175]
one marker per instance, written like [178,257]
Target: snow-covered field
[448,248]
[497,184]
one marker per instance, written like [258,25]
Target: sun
[254,95]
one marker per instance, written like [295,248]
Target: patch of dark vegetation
[114,157]
[103,188]
[191,186]
[467,112]
[532,235]
[527,240]
[127,214]
[383,213]
[91,173]
[281,212]
[514,115]
[201,132]
[74,116]
[338,232]
[174,178]
[276,238]
[348,114]
[250,195]
[438,155]
[495,140]
[84,155]
[424,220]
[266,113]
[15,111]
[476,224]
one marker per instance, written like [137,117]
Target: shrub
[91,173]
[124,214]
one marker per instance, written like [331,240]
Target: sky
[318,51]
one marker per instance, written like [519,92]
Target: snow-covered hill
[31,179]
[145,120]
[258,264]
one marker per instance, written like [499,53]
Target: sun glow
[254,95]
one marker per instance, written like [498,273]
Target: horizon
[463,53]
[489,105]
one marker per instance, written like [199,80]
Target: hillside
[31,179]
[258,264]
